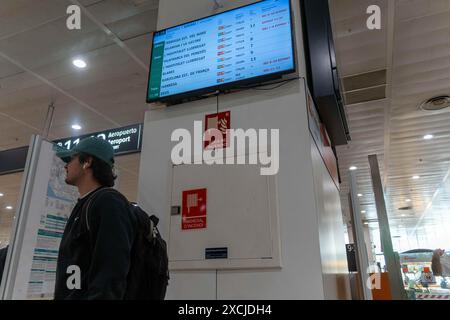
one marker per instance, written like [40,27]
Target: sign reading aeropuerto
[124,140]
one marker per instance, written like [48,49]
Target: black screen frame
[221,88]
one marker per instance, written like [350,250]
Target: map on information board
[60,200]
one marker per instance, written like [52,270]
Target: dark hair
[101,171]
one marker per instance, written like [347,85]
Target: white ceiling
[10,187]
[36,50]
[414,47]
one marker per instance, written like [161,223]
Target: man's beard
[69,181]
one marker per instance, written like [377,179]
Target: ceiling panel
[141,47]
[142,23]
[15,134]
[17,16]
[7,69]
[110,11]
[394,128]
[53,41]
[413,9]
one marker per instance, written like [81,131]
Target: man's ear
[88,163]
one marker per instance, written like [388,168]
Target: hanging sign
[124,140]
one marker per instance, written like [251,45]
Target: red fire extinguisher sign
[193,211]
[220,121]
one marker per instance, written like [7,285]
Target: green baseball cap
[93,146]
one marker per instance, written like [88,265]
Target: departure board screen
[245,43]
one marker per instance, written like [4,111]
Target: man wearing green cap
[95,250]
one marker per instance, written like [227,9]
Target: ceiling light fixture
[352,168]
[428,136]
[1,194]
[435,103]
[416,177]
[9,207]
[408,200]
[79,63]
[360,195]
[76,127]
[363,211]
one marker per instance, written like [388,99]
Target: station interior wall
[311,228]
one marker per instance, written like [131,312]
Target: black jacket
[3,253]
[101,252]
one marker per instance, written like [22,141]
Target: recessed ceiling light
[76,127]
[9,207]
[403,215]
[435,103]
[363,211]
[1,194]
[408,200]
[366,223]
[359,195]
[352,168]
[428,136]
[416,177]
[79,63]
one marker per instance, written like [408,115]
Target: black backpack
[149,268]
[149,274]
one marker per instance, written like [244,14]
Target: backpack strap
[95,195]
[154,219]
[154,226]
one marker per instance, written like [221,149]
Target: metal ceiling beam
[390,25]
[391,258]
[362,260]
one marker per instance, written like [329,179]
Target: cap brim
[64,154]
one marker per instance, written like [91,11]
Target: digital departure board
[236,46]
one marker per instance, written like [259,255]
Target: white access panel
[242,216]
